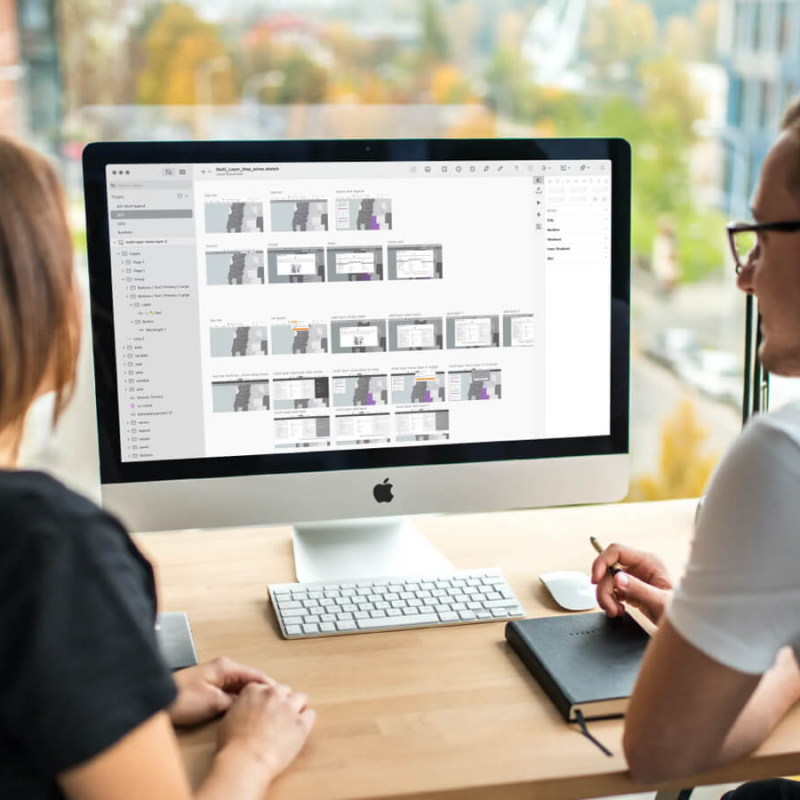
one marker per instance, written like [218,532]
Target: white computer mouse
[571,589]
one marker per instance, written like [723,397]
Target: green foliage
[434,45]
[701,243]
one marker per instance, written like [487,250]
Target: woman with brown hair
[86,703]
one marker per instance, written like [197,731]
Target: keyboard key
[382,604]
[439,593]
[398,603]
[375,598]
[408,611]
[311,618]
[363,591]
[391,596]
[316,610]
[327,627]
[427,610]
[499,612]
[458,606]
[314,595]
[343,617]
[310,628]
[461,598]
[406,595]
[416,619]
[414,603]
[466,615]
[290,605]
[475,606]
[361,614]
[394,612]
[493,579]
[458,582]
[428,587]
[377,614]
[442,608]
[412,587]
[346,625]
[422,594]
[500,603]
[448,616]
[292,620]
[483,614]
[293,630]
[494,596]
[350,607]
[328,617]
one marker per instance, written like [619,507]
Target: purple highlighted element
[484,394]
[373,223]
[133,405]
[370,399]
[428,397]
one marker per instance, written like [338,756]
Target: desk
[437,713]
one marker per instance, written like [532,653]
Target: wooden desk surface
[428,713]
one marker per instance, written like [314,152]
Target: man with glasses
[722,668]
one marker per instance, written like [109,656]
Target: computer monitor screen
[302,308]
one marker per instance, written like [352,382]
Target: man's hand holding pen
[626,575]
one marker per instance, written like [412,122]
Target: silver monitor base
[364,548]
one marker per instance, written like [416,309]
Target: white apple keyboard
[390,604]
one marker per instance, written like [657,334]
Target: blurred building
[759,46]
[40,86]
[10,69]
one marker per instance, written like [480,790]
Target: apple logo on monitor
[383,492]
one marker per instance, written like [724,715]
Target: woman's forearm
[235,775]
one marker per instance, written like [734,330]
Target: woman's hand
[266,728]
[643,581]
[209,689]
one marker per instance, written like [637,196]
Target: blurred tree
[448,85]
[684,467]
[706,17]
[510,91]
[280,71]
[462,21]
[682,38]
[434,47]
[93,53]
[619,32]
[178,51]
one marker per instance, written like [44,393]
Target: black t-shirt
[79,663]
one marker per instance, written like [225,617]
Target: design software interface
[265,308]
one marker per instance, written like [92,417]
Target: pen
[614,568]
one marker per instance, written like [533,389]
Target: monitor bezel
[98,156]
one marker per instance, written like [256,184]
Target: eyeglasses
[744,238]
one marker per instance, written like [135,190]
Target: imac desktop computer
[340,334]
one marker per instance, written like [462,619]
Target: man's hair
[791,124]
[39,311]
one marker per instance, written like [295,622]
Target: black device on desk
[586,663]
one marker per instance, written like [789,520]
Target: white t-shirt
[739,601]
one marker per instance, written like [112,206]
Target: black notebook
[585,662]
